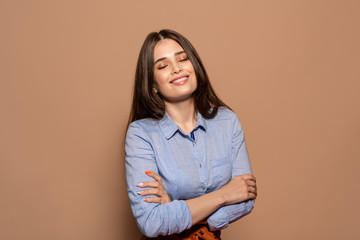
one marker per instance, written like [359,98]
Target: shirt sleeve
[153,219]
[241,165]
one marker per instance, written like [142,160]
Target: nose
[176,68]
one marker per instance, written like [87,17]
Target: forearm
[238,190]
[203,206]
[225,215]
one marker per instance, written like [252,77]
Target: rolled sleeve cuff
[228,214]
[166,219]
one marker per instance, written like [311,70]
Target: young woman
[187,167]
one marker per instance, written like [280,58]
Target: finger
[153,191]
[153,199]
[252,190]
[252,195]
[251,183]
[247,176]
[148,184]
[153,175]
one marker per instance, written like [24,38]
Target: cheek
[160,77]
[190,68]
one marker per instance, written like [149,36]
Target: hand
[157,189]
[239,189]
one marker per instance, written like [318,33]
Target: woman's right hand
[239,189]
[157,189]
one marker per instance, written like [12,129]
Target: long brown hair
[148,104]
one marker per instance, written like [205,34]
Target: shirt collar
[169,127]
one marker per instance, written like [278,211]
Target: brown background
[290,70]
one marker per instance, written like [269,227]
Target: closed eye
[162,67]
[182,57]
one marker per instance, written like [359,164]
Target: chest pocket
[220,171]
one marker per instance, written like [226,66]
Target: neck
[183,114]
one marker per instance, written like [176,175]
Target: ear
[155,90]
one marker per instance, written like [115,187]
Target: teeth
[179,80]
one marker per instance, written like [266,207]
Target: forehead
[166,48]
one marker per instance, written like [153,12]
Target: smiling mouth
[180,81]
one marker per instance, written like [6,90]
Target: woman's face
[174,74]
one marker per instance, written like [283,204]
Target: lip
[179,77]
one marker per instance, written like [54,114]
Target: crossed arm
[154,211]
[241,188]
[225,205]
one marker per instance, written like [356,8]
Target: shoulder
[225,114]
[228,118]
[143,123]
[224,119]
[142,127]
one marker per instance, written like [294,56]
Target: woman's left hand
[157,189]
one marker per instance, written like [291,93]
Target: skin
[171,64]
[157,189]
[239,189]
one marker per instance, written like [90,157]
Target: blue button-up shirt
[190,165]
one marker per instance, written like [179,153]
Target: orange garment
[197,232]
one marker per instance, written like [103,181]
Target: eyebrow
[162,59]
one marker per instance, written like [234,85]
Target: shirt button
[203,188]
[200,165]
